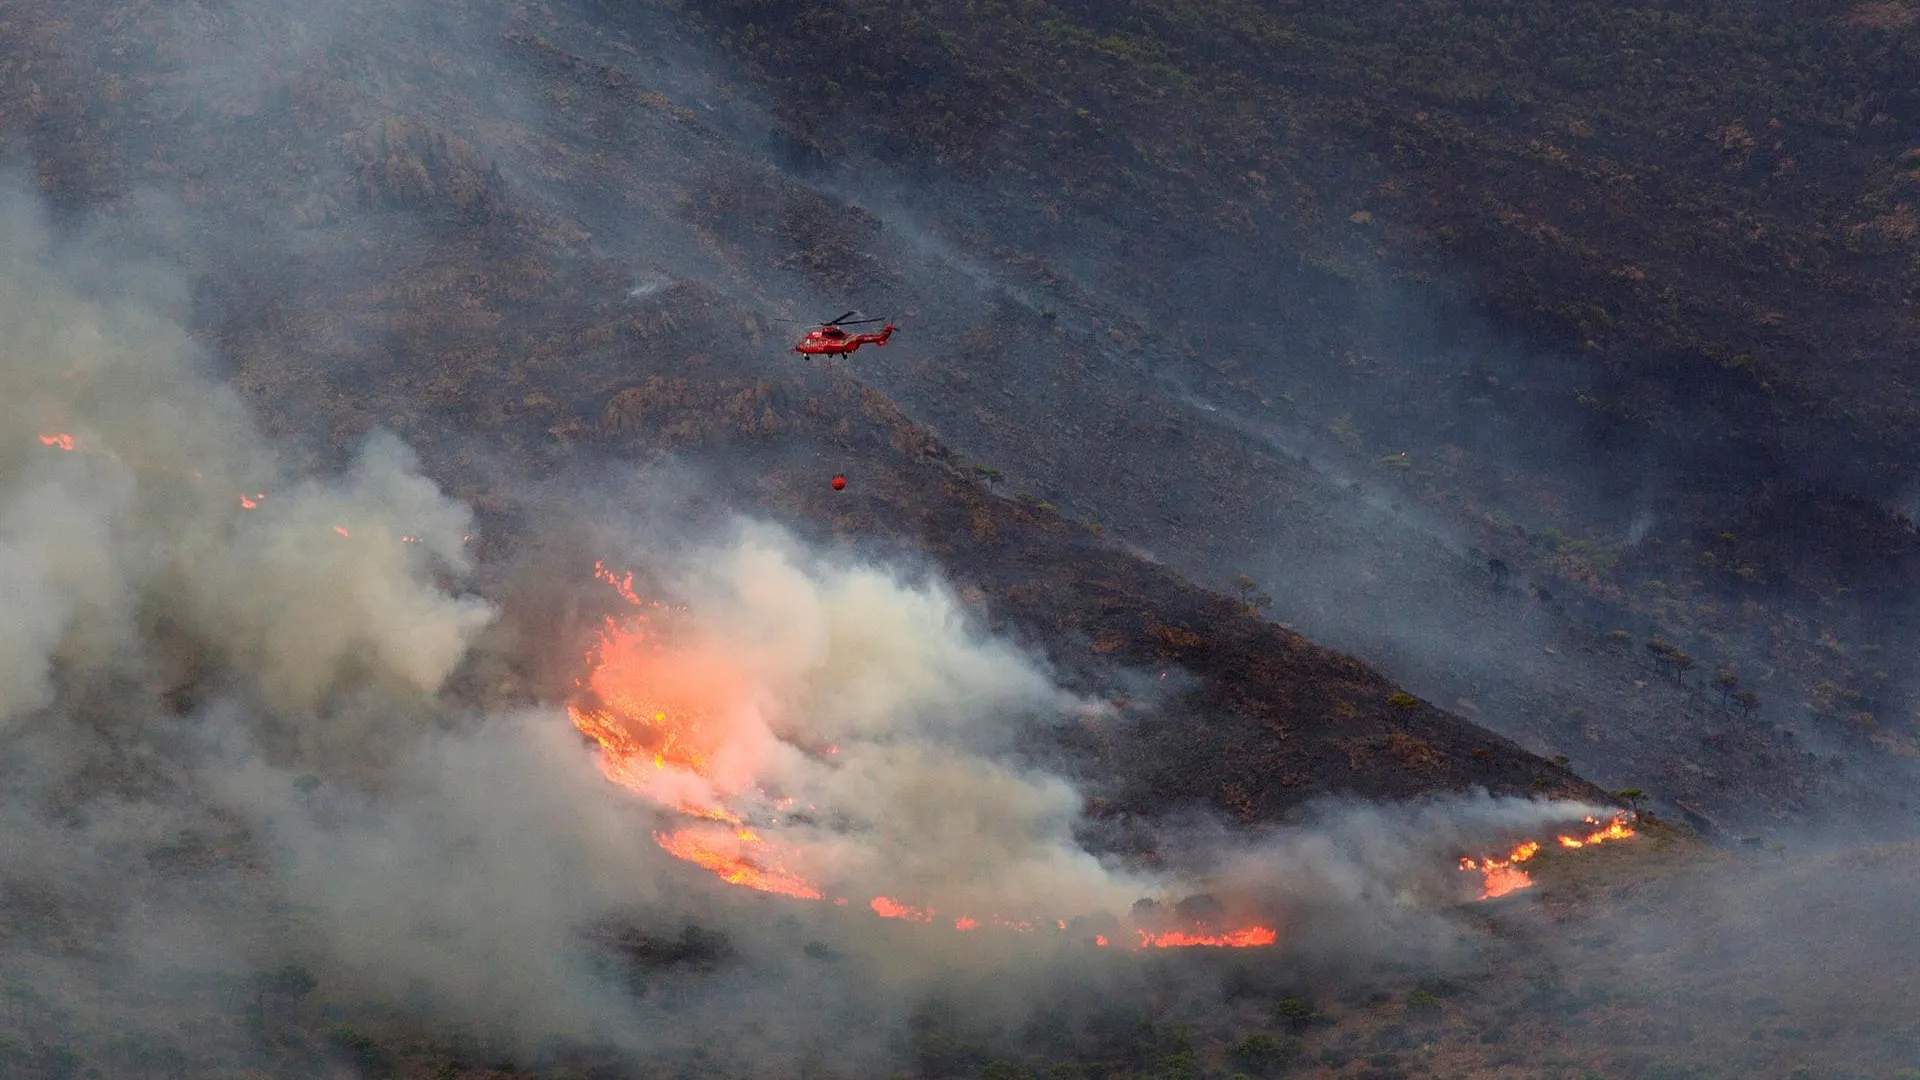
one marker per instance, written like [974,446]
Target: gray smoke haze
[225,743]
[1359,881]
[226,746]
[1347,439]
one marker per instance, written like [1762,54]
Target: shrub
[1297,1012]
[1260,1054]
[1180,1066]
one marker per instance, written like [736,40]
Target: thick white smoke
[471,876]
[1363,880]
[911,706]
[150,540]
[154,551]
[197,638]
[126,474]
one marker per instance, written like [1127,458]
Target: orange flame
[662,718]
[1248,938]
[1503,876]
[893,909]
[660,721]
[1615,830]
[734,868]
[621,585]
[61,441]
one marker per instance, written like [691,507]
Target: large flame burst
[671,721]
[1502,876]
[668,719]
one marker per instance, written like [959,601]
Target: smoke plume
[227,746]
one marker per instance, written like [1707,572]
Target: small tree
[1659,651]
[1726,682]
[1252,601]
[1747,701]
[1681,664]
[1631,796]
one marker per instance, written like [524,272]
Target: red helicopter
[830,338]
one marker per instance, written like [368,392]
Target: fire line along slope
[1265,719]
[650,155]
[1270,720]
[428,296]
[1372,215]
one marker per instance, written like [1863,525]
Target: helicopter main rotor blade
[856,322]
[848,315]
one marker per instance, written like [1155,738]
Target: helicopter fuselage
[833,341]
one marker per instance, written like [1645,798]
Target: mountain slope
[386,274]
[327,182]
[1633,337]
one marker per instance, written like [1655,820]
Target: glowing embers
[1198,936]
[1251,937]
[247,501]
[892,909]
[1503,876]
[1616,829]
